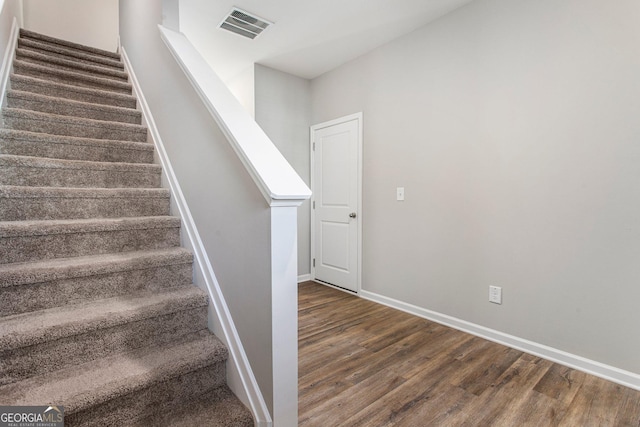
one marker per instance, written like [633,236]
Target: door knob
[352,215]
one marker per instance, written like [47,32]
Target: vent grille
[244,23]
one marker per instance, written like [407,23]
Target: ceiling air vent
[245,24]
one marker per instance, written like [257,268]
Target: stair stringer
[240,377]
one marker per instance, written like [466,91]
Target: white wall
[514,127]
[283,111]
[242,86]
[10,12]
[89,22]
[231,215]
[9,9]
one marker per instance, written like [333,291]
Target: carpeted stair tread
[42,341]
[25,143]
[10,160]
[28,329]
[65,107]
[42,172]
[30,286]
[25,203]
[28,192]
[67,91]
[217,408]
[153,323]
[65,268]
[70,77]
[36,57]
[43,228]
[59,51]
[23,241]
[88,385]
[72,126]
[26,34]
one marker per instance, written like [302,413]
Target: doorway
[336,206]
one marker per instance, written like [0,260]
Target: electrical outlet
[495,294]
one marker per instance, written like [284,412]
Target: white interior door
[336,153]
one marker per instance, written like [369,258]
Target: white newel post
[284,294]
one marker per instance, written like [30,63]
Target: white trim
[304,278]
[359,117]
[610,373]
[7,60]
[274,176]
[239,366]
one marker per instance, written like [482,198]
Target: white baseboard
[304,278]
[7,60]
[610,373]
[240,376]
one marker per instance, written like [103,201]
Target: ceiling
[309,37]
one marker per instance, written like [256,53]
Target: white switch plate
[400,193]
[495,294]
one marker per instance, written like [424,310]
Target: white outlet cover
[495,294]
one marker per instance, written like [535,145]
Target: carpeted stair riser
[216,408]
[63,107]
[173,392]
[28,287]
[72,126]
[62,52]
[30,329]
[73,336]
[128,385]
[76,93]
[49,356]
[26,34]
[47,203]
[40,296]
[23,143]
[70,77]
[35,57]
[39,240]
[44,172]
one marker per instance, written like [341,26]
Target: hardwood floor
[364,364]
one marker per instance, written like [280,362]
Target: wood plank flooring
[364,364]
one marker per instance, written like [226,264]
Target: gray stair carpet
[98,312]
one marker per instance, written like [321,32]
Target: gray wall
[514,127]
[90,22]
[231,215]
[10,9]
[283,111]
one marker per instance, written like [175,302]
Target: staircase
[97,308]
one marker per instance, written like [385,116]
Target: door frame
[358,117]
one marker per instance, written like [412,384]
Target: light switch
[400,193]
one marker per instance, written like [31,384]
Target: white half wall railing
[284,191]
[239,374]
